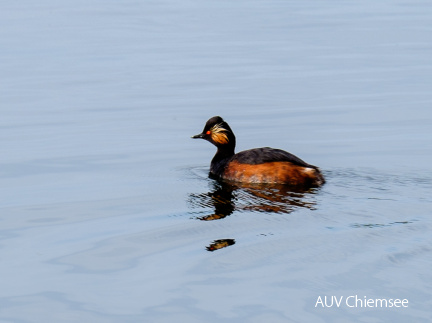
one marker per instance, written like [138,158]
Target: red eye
[208,132]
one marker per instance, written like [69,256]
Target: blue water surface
[104,196]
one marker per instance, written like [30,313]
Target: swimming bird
[259,165]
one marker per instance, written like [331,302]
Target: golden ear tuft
[218,134]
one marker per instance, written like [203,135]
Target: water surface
[107,212]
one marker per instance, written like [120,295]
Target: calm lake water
[107,212]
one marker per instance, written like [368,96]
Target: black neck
[221,159]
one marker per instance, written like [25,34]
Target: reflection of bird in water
[221,199]
[219,244]
[225,198]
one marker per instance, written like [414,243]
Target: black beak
[198,136]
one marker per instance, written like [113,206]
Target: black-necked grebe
[259,165]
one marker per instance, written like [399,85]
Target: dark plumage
[266,154]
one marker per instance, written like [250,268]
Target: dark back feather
[266,154]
